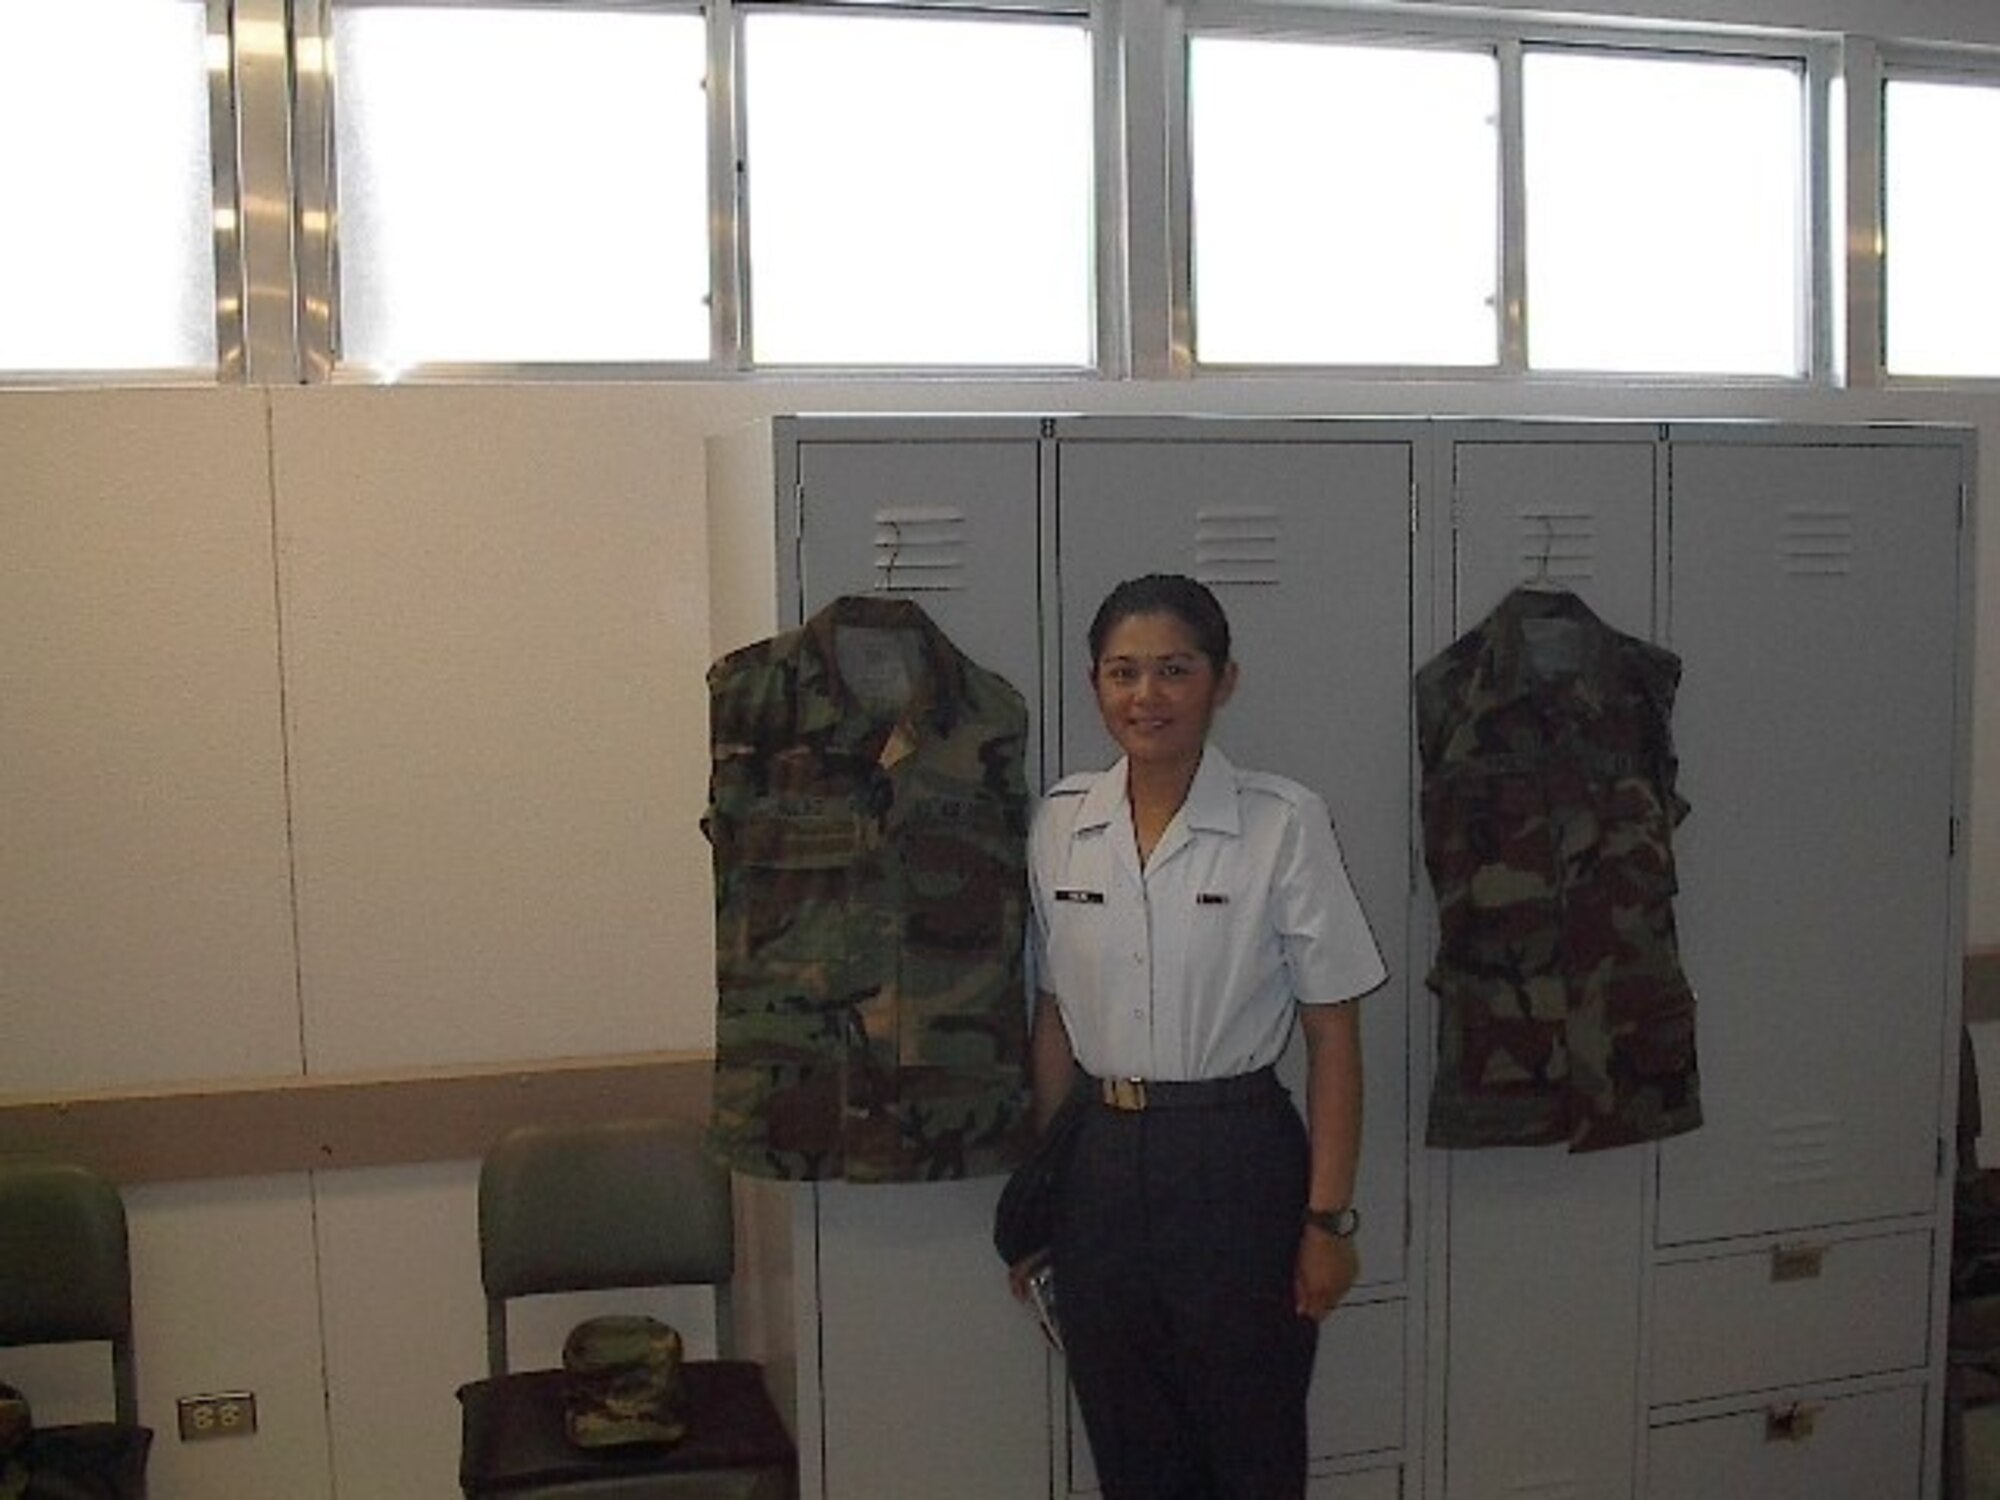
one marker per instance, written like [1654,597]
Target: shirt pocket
[784,891]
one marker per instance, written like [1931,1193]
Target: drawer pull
[1797,1262]
[1790,1424]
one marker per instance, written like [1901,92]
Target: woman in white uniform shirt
[1187,915]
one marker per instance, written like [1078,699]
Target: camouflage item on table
[625,1383]
[1549,804]
[868,818]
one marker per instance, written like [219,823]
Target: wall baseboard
[265,1126]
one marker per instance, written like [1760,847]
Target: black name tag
[1085,898]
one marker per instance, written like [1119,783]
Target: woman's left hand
[1325,1270]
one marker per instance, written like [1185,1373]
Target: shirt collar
[823,699]
[1505,668]
[1210,806]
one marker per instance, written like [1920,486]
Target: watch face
[1338,1222]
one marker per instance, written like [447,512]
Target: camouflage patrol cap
[625,1383]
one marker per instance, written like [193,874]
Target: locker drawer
[1784,1316]
[1361,1484]
[1356,1401]
[1865,1447]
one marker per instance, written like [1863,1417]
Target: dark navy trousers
[1176,1236]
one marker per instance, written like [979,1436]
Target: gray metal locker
[1302,530]
[1755,1307]
[1818,602]
[1541,1380]
[947,515]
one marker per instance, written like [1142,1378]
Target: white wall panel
[145,919]
[225,1299]
[495,634]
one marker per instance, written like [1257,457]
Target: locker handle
[1790,1424]
[1797,1262]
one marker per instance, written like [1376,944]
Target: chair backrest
[65,1265]
[578,1208]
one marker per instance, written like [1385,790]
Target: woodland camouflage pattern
[1549,805]
[871,900]
[624,1382]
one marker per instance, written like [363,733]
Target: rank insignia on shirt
[1210,898]
[1086,898]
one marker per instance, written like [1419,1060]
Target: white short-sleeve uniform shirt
[1192,966]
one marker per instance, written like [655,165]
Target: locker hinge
[1951,839]
[798,509]
[1048,427]
[1415,498]
[1964,500]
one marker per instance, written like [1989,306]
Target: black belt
[1133,1095]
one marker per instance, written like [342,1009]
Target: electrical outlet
[225,1414]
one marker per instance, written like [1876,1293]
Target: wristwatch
[1338,1222]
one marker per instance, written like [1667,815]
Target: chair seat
[87,1461]
[736,1448]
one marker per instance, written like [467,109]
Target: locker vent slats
[1546,1487]
[1558,545]
[1816,541]
[1237,544]
[1802,1149]
[919,549]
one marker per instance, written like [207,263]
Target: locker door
[1306,544]
[1544,1247]
[906,1279]
[1814,604]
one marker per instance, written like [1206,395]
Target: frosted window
[1345,203]
[1665,214]
[107,261]
[1941,222]
[521,186]
[920,190]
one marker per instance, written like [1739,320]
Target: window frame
[227,224]
[319,358]
[735,335]
[1967,66]
[276,248]
[1817,58]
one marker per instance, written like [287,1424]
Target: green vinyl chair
[621,1205]
[65,1277]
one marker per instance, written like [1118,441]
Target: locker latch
[1797,1262]
[1790,1424]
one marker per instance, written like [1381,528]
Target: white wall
[423,669]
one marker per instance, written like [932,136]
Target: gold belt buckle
[1124,1093]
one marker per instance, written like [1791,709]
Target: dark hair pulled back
[1165,593]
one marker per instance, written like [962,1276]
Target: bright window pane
[1941,219]
[107,261]
[1345,203]
[920,190]
[521,185]
[1665,214]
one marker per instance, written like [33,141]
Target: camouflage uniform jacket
[1549,806]
[868,819]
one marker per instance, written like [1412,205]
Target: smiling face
[1157,691]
